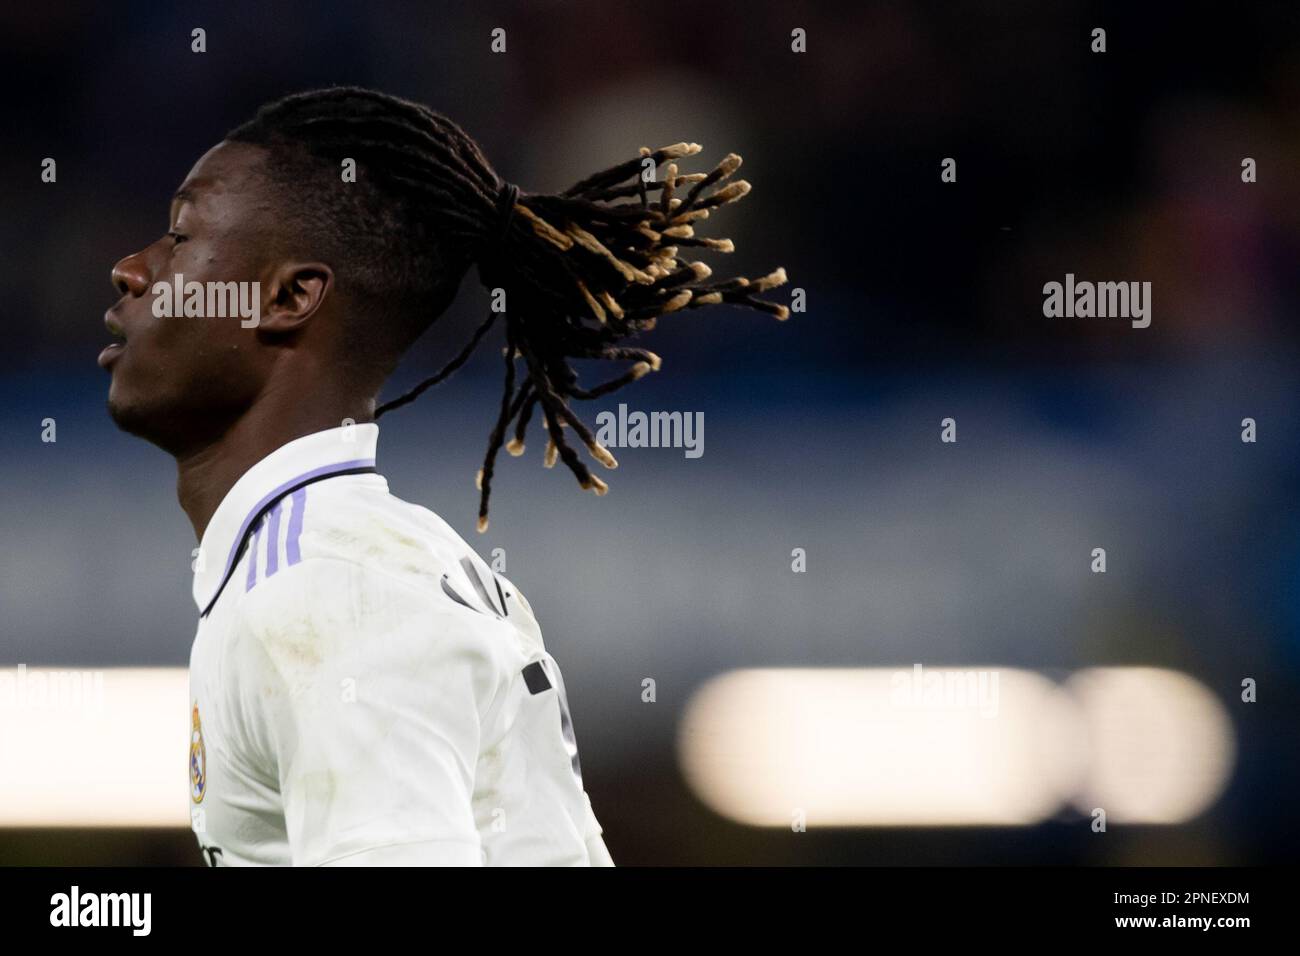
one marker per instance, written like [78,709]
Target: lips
[111,352]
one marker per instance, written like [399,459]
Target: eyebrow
[184,194]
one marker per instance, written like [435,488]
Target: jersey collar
[310,458]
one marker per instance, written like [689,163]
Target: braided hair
[583,272]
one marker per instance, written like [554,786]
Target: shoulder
[330,624]
[377,577]
[366,525]
[356,519]
[350,527]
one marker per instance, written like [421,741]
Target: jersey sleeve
[371,698]
[597,852]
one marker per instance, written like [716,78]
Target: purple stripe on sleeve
[292,554]
[273,542]
[252,559]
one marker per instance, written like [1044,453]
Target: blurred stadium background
[1119,690]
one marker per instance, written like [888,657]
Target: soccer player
[365,690]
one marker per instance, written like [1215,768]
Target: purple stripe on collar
[252,560]
[281,489]
[273,540]
[292,554]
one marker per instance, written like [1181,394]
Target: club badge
[198,759]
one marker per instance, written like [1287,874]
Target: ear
[294,293]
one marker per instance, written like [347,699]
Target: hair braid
[583,271]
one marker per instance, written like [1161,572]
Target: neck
[205,475]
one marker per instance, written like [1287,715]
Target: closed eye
[177,237]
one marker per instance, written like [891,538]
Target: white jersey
[364,689]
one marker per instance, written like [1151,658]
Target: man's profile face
[179,381]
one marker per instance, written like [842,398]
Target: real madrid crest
[198,758]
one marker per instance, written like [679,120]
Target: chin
[129,417]
[177,426]
[147,420]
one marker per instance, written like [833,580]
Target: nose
[131,275]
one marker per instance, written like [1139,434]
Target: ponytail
[583,272]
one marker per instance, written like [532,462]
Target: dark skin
[216,396]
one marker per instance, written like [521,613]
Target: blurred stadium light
[951,747]
[1161,747]
[94,748]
